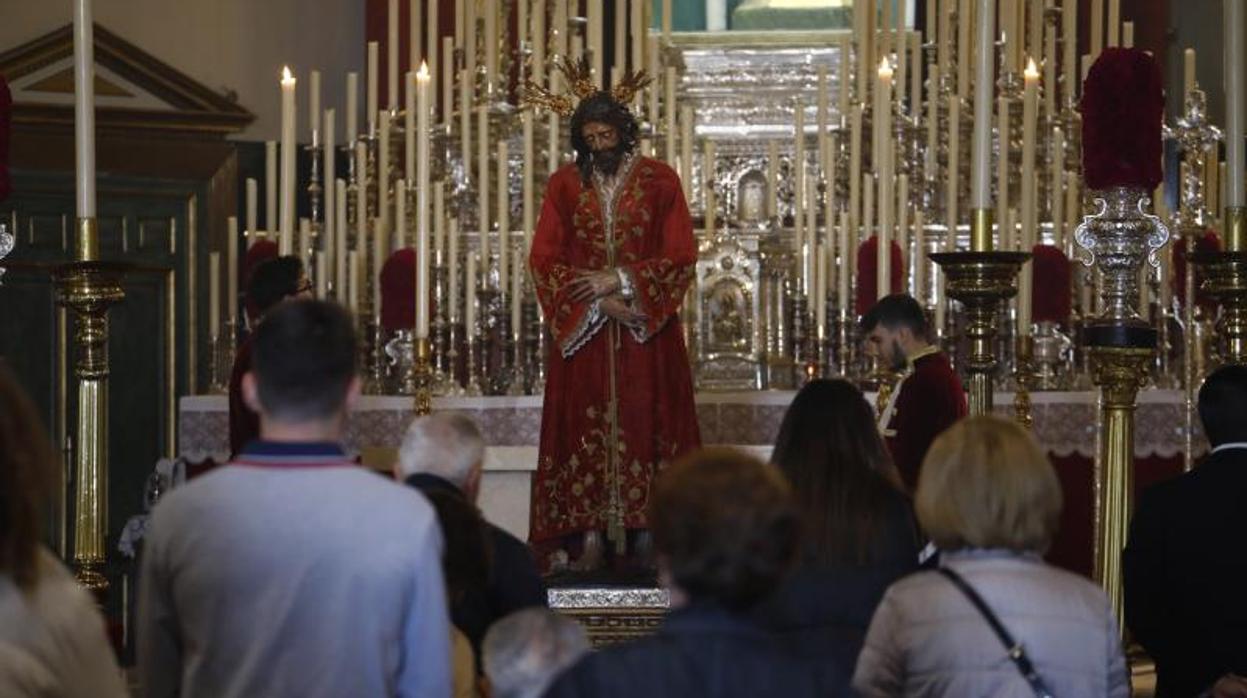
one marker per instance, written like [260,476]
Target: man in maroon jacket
[927,398]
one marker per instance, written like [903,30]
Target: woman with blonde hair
[52,640]
[994,619]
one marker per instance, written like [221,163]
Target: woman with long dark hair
[52,639]
[860,534]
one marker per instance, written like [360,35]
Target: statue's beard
[607,162]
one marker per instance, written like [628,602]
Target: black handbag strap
[1015,651]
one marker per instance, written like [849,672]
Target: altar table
[1065,423]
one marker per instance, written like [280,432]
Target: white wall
[228,45]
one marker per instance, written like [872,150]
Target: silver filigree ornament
[1117,239]
[7,243]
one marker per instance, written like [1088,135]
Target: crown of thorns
[579,77]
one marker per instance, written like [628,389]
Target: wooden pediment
[133,89]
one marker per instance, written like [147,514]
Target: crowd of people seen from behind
[294,571]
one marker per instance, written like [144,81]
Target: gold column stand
[423,368]
[1119,371]
[1225,279]
[980,281]
[89,289]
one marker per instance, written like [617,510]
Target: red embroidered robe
[592,474]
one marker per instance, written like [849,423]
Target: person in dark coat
[860,533]
[489,572]
[928,396]
[725,531]
[1185,563]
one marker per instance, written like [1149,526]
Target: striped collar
[283,454]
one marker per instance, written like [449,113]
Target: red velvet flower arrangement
[1051,295]
[1206,242]
[867,277]
[398,291]
[6,118]
[1123,102]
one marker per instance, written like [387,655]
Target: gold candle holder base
[980,281]
[423,377]
[89,289]
[1119,371]
[1224,277]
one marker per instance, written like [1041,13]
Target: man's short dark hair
[726,525]
[894,312]
[1223,405]
[272,282]
[304,360]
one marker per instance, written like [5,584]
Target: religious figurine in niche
[727,322]
[751,197]
[611,259]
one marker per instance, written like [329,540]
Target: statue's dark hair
[603,109]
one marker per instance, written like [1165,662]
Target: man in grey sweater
[292,571]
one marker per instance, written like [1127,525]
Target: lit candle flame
[423,73]
[287,78]
[885,69]
[1032,72]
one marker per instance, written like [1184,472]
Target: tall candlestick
[270,186]
[1235,111]
[391,54]
[1049,72]
[352,106]
[313,108]
[370,101]
[84,120]
[340,251]
[231,270]
[821,114]
[1030,219]
[526,186]
[214,293]
[820,290]
[980,165]
[504,216]
[423,200]
[288,145]
[251,206]
[482,190]
[831,177]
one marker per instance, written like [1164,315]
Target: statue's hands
[594,284]
[616,308]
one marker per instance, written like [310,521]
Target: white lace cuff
[589,326]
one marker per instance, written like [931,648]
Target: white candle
[452,281]
[1188,70]
[637,24]
[772,179]
[270,186]
[231,269]
[1002,167]
[954,169]
[423,250]
[517,294]
[353,283]
[340,250]
[214,294]
[1049,72]
[620,37]
[1030,217]
[439,220]
[686,150]
[504,216]
[539,43]
[482,188]
[596,16]
[391,55]
[811,226]
[654,70]
[304,251]
[1025,291]
[798,178]
[313,106]
[251,206]
[84,115]
[920,258]
[383,169]
[868,215]
[400,214]
[915,77]
[553,153]
[370,101]
[855,172]
[980,165]
[1097,28]
[433,46]
[415,34]
[330,228]
[469,38]
[448,81]
[820,289]
[288,145]
[465,122]
[322,274]
[884,165]
[964,24]
[491,48]
[902,225]
[1069,61]
[670,106]
[352,106]
[529,204]
[1235,105]
[361,192]
[666,21]
[821,114]
[1058,188]
[1114,22]
[842,82]
[378,261]
[846,252]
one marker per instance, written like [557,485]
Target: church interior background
[808,134]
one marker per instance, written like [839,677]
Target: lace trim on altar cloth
[593,321]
